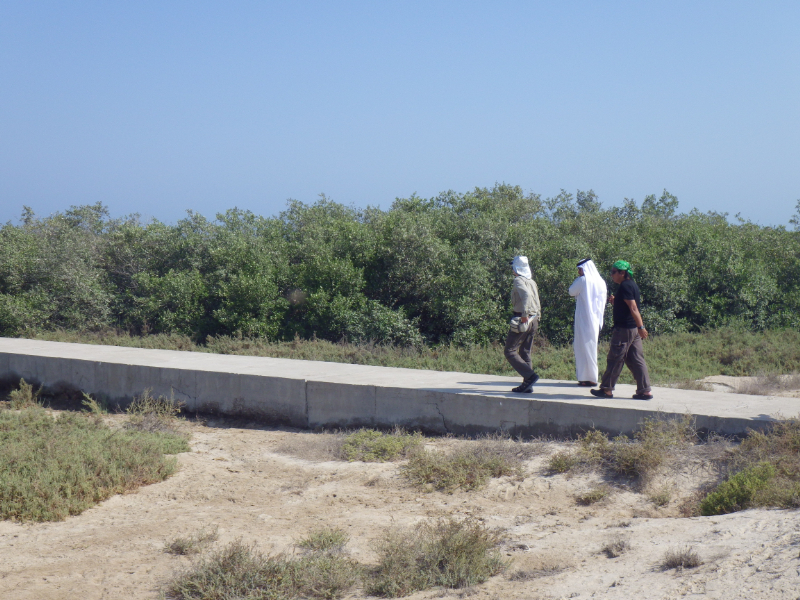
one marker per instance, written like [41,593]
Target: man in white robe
[590,292]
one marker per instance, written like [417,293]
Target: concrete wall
[310,394]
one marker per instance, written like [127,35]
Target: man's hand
[523,319]
[611,299]
[643,333]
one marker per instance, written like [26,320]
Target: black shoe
[601,393]
[526,387]
[643,396]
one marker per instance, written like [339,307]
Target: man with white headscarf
[523,327]
[589,291]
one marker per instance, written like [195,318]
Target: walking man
[590,293]
[525,299]
[626,341]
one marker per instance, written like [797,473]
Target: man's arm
[637,317]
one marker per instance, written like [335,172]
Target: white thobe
[587,329]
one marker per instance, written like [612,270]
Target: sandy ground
[253,484]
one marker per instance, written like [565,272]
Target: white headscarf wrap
[596,290]
[520,266]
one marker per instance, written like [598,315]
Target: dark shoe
[526,387]
[643,396]
[601,393]
[587,383]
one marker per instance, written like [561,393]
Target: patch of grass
[192,544]
[153,413]
[670,357]
[448,552]
[325,540]
[24,396]
[466,467]
[368,445]
[593,496]
[686,558]
[241,571]
[56,466]
[616,547]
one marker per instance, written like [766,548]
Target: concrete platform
[311,394]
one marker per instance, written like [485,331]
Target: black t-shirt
[628,290]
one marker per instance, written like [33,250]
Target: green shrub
[24,396]
[738,492]
[368,445]
[448,552]
[54,467]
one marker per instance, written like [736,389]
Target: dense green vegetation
[426,271]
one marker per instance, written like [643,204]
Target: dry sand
[254,484]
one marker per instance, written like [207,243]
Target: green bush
[424,272]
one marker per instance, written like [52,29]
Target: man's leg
[512,353]
[527,343]
[615,360]
[635,361]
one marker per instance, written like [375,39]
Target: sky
[158,107]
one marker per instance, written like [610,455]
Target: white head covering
[520,266]
[596,290]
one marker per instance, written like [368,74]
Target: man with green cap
[626,341]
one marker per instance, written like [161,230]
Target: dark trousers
[518,349]
[626,349]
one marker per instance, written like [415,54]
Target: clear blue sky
[161,106]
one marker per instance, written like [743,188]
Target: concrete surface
[311,394]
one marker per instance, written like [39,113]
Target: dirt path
[243,481]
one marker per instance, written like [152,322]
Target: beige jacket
[525,297]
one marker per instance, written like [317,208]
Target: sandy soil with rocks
[272,486]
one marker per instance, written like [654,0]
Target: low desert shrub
[240,570]
[153,413]
[56,466]
[639,457]
[368,445]
[466,467]
[593,496]
[686,558]
[661,496]
[24,396]
[192,544]
[325,540]
[616,547]
[448,552]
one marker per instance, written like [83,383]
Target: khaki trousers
[518,349]
[626,349]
